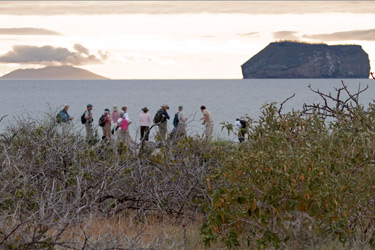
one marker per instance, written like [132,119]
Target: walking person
[175,124]
[144,121]
[240,127]
[105,120]
[88,118]
[65,119]
[181,125]
[126,116]
[161,118]
[123,124]
[208,122]
[115,116]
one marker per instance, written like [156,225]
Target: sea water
[225,99]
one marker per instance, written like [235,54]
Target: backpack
[58,118]
[243,124]
[124,124]
[83,119]
[158,116]
[175,120]
[102,121]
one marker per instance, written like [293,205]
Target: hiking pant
[181,130]
[163,130]
[66,127]
[124,136]
[144,133]
[89,131]
[107,133]
[208,130]
[241,134]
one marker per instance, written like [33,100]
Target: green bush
[298,180]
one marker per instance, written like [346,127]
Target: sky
[171,39]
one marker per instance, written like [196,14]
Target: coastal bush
[54,186]
[298,181]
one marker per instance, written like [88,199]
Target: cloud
[285,35]
[48,55]
[183,7]
[81,49]
[28,31]
[249,34]
[362,35]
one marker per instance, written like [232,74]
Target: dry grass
[152,232]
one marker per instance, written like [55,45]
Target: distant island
[303,60]
[52,73]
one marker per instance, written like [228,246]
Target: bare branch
[281,105]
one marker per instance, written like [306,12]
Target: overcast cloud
[28,31]
[360,35]
[285,35]
[49,55]
[181,7]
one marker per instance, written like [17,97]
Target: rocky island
[303,60]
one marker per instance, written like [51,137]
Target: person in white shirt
[239,129]
[145,121]
[124,134]
[181,127]
[88,124]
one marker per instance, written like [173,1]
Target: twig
[281,105]
[3,117]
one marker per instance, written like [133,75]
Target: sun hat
[145,109]
[106,110]
[165,106]
[115,107]
[89,105]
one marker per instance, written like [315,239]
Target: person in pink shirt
[145,121]
[115,116]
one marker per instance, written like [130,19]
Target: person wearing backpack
[175,124]
[240,127]
[105,123]
[87,119]
[123,132]
[160,119]
[181,123]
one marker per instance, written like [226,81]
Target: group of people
[118,121]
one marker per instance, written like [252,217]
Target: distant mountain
[52,72]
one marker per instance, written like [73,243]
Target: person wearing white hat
[115,116]
[65,119]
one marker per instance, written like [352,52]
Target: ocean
[225,99]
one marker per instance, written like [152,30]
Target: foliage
[52,183]
[297,180]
